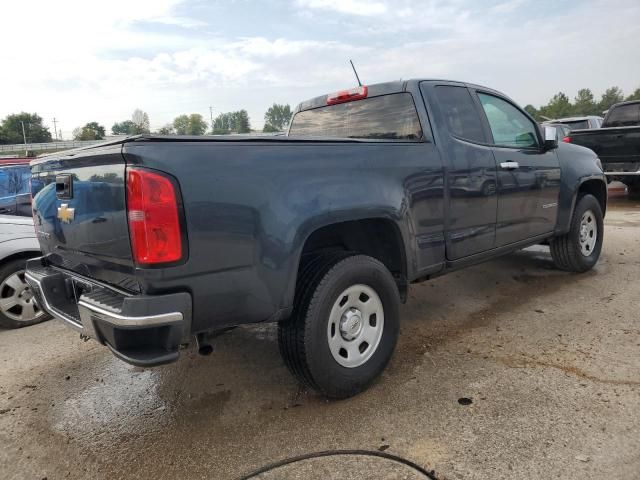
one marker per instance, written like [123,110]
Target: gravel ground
[549,363]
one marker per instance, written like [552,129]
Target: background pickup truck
[617,143]
[152,240]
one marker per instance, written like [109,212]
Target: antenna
[355,72]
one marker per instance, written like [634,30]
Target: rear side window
[509,126]
[460,113]
[388,117]
[624,116]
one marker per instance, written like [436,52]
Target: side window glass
[460,113]
[22,180]
[6,183]
[509,126]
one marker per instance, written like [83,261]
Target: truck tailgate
[80,213]
[618,148]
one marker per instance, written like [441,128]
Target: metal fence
[63,145]
[20,148]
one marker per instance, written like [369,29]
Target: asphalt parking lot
[510,369]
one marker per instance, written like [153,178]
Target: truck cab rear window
[388,117]
[624,116]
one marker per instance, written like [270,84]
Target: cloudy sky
[84,61]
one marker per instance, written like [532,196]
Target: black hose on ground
[329,453]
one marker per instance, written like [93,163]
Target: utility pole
[55,128]
[211,115]
[24,137]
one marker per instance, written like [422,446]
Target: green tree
[531,110]
[609,97]
[585,103]
[166,130]
[277,117]
[242,124]
[192,124]
[35,131]
[232,122]
[140,121]
[91,131]
[127,127]
[634,96]
[559,106]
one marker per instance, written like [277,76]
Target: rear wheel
[579,250]
[18,306]
[344,326]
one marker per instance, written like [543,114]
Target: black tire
[303,338]
[7,270]
[566,251]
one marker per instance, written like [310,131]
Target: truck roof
[387,88]
[628,102]
[574,119]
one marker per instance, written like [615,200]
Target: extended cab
[617,143]
[153,240]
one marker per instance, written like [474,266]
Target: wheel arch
[594,185]
[380,237]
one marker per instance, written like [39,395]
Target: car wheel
[18,306]
[345,324]
[579,250]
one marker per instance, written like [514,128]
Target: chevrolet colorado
[152,240]
[617,143]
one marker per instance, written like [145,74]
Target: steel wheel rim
[588,234]
[355,326]
[16,299]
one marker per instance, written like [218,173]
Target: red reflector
[350,95]
[152,211]
[566,139]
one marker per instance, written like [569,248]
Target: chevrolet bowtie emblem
[66,214]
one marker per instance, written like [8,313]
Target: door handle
[510,165]
[99,220]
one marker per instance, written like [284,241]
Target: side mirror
[550,137]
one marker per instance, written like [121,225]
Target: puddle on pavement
[120,399]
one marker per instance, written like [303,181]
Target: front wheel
[579,250]
[344,326]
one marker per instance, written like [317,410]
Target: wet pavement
[549,363]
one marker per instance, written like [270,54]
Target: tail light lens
[566,139]
[154,225]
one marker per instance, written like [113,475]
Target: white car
[18,243]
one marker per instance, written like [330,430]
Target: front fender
[578,166]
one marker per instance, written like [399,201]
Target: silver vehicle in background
[578,123]
[18,243]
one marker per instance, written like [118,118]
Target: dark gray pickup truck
[617,143]
[153,240]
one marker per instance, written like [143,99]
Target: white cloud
[83,64]
[352,7]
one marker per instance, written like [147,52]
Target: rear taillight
[152,210]
[566,139]
[350,95]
